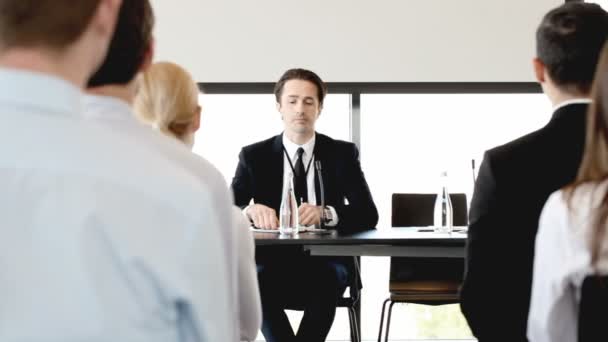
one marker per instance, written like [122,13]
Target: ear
[539,70]
[196,120]
[320,110]
[106,16]
[148,57]
[279,109]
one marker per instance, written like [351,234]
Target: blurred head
[168,101]
[568,43]
[68,30]
[594,165]
[299,94]
[131,46]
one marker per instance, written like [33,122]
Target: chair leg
[388,320]
[350,324]
[354,325]
[382,319]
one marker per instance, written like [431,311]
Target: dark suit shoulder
[565,131]
[535,164]
[336,144]
[260,150]
[519,147]
[263,145]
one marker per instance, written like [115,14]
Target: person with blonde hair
[572,240]
[167,100]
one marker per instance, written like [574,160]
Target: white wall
[351,40]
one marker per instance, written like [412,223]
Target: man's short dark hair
[130,43]
[50,23]
[569,40]
[301,74]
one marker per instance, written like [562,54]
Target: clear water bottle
[288,213]
[443,214]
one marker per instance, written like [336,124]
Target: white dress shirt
[562,261]
[581,100]
[308,160]
[119,117]
[103,239]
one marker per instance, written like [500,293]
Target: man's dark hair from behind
[568,42]
[51,23]
[130,43]
[301,74]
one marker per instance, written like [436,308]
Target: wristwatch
[327,215]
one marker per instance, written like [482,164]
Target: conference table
[395,241]
[414,242]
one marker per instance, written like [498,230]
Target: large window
[406,140]
[603,3]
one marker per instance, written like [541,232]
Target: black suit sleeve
[361,212]
[242,184]
[481,289]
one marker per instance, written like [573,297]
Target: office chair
[430,281]
[592,309]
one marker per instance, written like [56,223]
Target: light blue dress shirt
[102,238]
[118,116]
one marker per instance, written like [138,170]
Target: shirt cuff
[245,212]
[334,217]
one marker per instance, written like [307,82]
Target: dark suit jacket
[513,184]
[259,175]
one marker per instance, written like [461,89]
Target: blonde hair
[167,99]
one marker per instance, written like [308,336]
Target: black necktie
[300,179]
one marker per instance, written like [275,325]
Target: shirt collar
[39,91]
[101,107]
[571,101]
[292,148]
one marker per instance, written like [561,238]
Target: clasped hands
[264,217]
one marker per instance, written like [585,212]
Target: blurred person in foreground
[178,260]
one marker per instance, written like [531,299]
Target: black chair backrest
[593,308]
[416,210]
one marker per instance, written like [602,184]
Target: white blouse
[562,261]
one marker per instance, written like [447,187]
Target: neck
[557,95]
[122,92]
[299,138]
[47,62]
[556,100]
[188,140]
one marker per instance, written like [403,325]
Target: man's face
[299,106]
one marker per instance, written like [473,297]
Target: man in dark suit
[516,179]
[291,279]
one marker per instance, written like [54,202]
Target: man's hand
[309,214]
[263,217]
